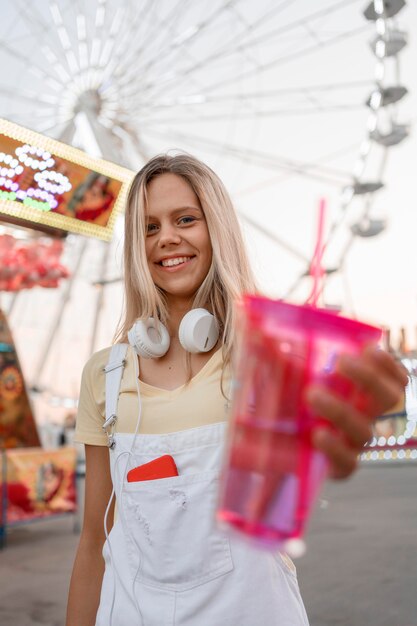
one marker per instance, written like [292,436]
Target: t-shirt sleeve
[90,414]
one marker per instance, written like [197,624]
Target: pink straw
[316,270]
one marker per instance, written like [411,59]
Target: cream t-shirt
[198,403]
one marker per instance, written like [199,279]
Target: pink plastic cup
[272,473]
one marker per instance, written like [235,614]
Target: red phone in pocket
[162,467]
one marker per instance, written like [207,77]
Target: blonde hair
[229,275]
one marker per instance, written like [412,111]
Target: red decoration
[24,265]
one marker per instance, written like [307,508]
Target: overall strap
[114,372]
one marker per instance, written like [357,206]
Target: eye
[151,228]
[186,219]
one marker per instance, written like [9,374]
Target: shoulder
[91,404]
[96,363]
[94,367]
[93,381]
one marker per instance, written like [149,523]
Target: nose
[168,235]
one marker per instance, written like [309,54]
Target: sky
[272,96]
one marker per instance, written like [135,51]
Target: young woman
[165,561]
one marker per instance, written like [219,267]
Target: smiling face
[178,247]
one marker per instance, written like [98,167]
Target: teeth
[177,261]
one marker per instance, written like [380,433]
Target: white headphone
[198,332]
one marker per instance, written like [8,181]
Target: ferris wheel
[245,86]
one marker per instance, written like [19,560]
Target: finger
[342,459]
[384,389]
[391,367]
[355,426]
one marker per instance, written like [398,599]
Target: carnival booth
[47,189]
[36,483]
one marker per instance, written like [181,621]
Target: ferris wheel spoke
[277,240]
[102,44]
[295,284]
[328,175]
[235,42]
[39,120]
[30,66]
[284,59]
[254,114]
[96,32]
[260,41]
[65,41]
[55,128]
[56,64]
[103,32]
[35,21]
[126,51]
[169,34]
[123,46]
[167,27]
[46,127]
[135,140]
[190,33]
[82,38]
[329,156]
[199,100]
[181,41]
[152,27]
[299,23]
[25,95]
[111,37]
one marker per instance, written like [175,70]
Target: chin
[186,290]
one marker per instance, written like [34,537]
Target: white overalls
[167,563]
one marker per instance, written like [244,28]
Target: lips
[174,261]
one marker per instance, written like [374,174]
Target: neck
[176,311]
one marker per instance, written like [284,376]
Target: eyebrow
[180,210]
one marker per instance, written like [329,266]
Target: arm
[87,574]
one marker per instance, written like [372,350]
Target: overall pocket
[171,535]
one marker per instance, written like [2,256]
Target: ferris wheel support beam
[106,141]
[67,134]
[100,298]
[12,303]
[58,318]
[283,244]
[137,145]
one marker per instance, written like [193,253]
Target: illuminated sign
[47,184]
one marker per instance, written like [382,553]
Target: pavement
[360,568]
[361,564]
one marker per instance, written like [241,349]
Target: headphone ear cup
[149,340]
[198,331]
